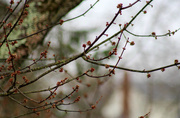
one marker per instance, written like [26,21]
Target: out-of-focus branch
[133,70]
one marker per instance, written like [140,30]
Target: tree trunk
[41,14]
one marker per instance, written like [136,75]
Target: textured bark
[50,12]
[3,9]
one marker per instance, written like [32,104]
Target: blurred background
[158,94]
[125,94]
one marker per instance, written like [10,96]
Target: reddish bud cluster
[1,69]
[77,99]
[88,85]
[115,51]
[110,53]
[58,83]
[25,100]
[34,110]
[62,101]
[25,79]
[153,33]
[173,33]
[77,78]
[76,89]
[49,43]
[107,24]
[113,43]
[113,72]
[20,21]
[61,82]
[48,110]
[148,75]
[120,57]
[13,43]
[44,54]
[25,13]
[9,67]
[106,35]
[9,25]
[176,61]
[11,57]
[119,5]
[99,100]
[106,66]
[12,2]
[132,43]
[61,70]
[93,106]
[163,69]
[89,43]
[1,77]
[27,5]
[13,74]
[77,86]
[61,22]
[17,72]
[125,25]
[84,45]
[88,57]
[11,80]
[34,60]
[92,70]
[37,113]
